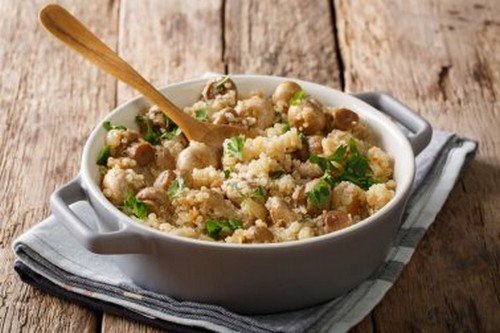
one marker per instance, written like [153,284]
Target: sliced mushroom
[285,91]
[197,156]
[219,87]
[156,198]
[335,220]
[164,179]
[280,212]
[164,159]
[263,235]
[345,119]
[307,116]
[142,152]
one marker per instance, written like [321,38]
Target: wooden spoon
[60,23]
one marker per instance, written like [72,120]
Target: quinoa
[301,177]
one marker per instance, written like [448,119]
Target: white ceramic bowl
[248,278]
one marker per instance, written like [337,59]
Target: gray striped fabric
[49,250]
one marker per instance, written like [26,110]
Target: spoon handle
[64,26]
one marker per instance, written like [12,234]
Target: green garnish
[176,188]
[319,195]
[152,134]
[354,166]
[220,84]
[227,172]
[219,227]
[108,127]
[136,206]
[171,134]
[303,137]
[276,174]
[201,114]
[286,127]
[235,146]
[258,194]
[102,157]
[297,97]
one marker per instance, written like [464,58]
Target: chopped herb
[176,188]
[220,84]
[102,157]
[170,134]
[201,114]
[217,228]
[276,174]
[286,127]
[235,146]
[297,97]
[136,206]
[169,124]
[152,134]
[319,195]
[302,137]
[108,127]
[354,166]
[259,194]
[227,172]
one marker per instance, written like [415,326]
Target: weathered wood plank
[169,41]
[442,58]
[166,41]
[288,38]
[50,100]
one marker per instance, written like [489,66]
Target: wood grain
[170,41]
[442,58]
[49,102]
[289,38]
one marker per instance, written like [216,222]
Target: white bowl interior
[186,93]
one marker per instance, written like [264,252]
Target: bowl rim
[92,188]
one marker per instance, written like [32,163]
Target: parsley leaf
[176,187]
[297,97]
[201,114]
[276,174]
[286,127]
[108,127]
[136,206]
[102,157]
[216,228]
[259,194]
[302,137]
[319,195]
[227,172]
[170,134]
[354,167]
[235,146]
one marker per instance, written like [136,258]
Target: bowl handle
[124,240]
[420,130]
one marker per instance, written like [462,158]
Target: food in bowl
[310,169]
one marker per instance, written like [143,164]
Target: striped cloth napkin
[48,257]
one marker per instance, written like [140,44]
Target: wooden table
[440,57]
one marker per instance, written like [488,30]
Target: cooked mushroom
[164,159]
[155,197]
[142,152]
[280,211]
[197,156]
[119,140]
[284,92]
[262,234]
[345,119]
[225,116]
[219,87]
[164,179]
[258,107]
[335,220]
[307,116]
[117,183]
